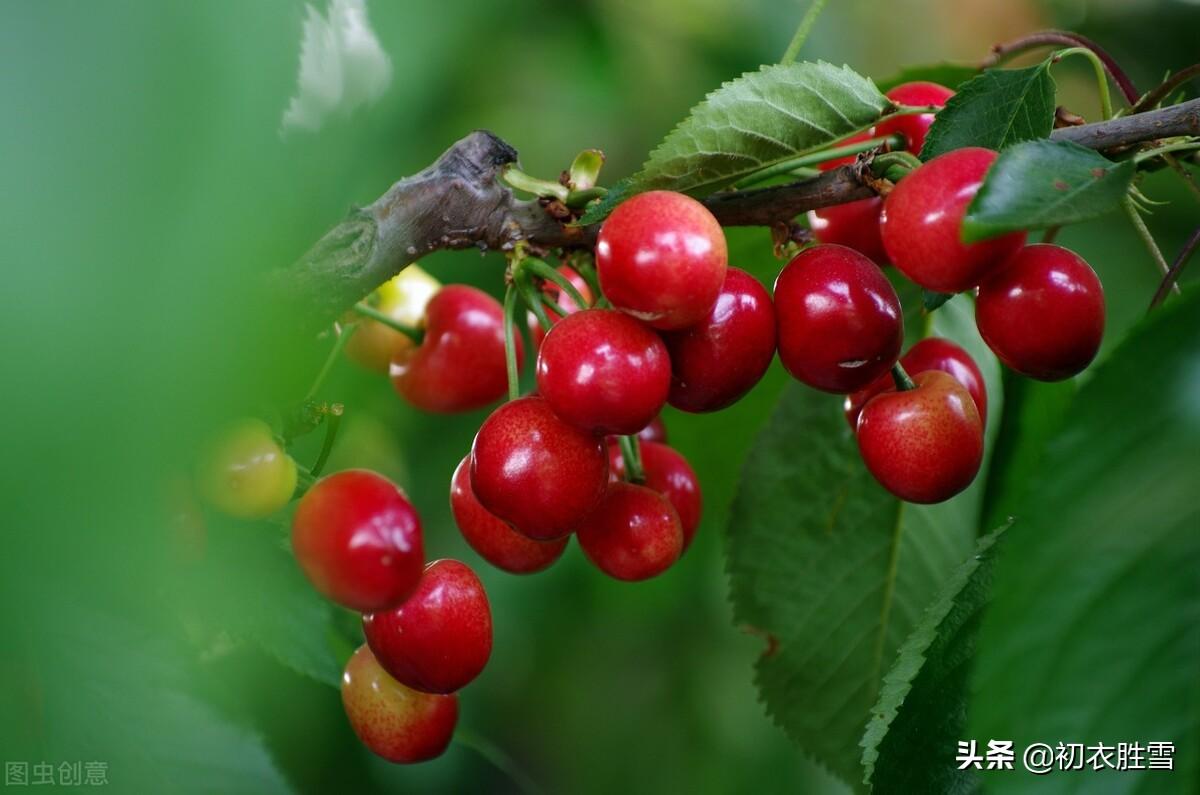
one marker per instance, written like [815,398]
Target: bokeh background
[147,186]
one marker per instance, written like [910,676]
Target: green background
[147,187]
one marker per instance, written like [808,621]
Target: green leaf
[909,744]
[999,108]
[760,119]
[950,75]
[1093,633]
[932,301]
[1038,184]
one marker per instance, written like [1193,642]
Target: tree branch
[459,202]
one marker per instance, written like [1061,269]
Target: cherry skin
[1043,313]
[656,431]
[396,722]
[535,471]
[494,540]
[722,357]
[633,535]
[669,473]
[604,372]
[565,303]
[854,224]
[661,257]
[244,472]
[925,444]
[439,639]
[402,298]
[916,126]
[460,364]
[931,353]
[839,319]
[358,540]
[922,224]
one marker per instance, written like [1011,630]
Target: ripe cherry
[604,372]
[460,364]
[661,257]
[402,298]
[925,444]
[716,361]
[656,431]
[398,723]
[669,473]
[494,540]
[358,540]
[565,303]
[914,127]
[439,639]
[244,472]
[1043,313]
[634,534]
[839,319]
[922,224]
[535,471]
[854,224]
[931,353]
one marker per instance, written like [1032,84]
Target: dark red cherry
[931,353]
[854,224]
[566,305]
[839,319]
[459,365]
[914,127]
[721,358]
[669,473]
[1043,313]
[656,431]
[634,534]
[536,472]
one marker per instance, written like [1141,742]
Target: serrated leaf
[760,119]
[950,75]
[999,108]
[1038,184]
[920,716]
[1093,633]
[597,211]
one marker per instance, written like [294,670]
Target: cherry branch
[1063,38]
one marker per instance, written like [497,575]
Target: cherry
[1043,313]
[716,361]
[358,540]
[661,257]
[634,534]
[839,319]
[656,431]
[402,298]
[395,722]
[669,473]
[924,444]
[494,540]
[460,364]
[565,303]
[439,639]
[244,472]
[931,353]
[535,471]
[914,127]
[922,224]
[854,224]
[604,372]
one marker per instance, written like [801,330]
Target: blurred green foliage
[147,188]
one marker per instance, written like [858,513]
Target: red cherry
[839,319]
[604,372]
[931,353]
[854,224]
[562,300]
[358,539]
[656,431]
[925,444]
[398,723]
[858,137]
[922,224]
[661,257]
[916,126]
[460,364]
[494,540]
[1043,313]
[722,357]
[535,471]
[668,473]
[634,534]
[440,638]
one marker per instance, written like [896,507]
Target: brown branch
[1172,275]
[1168,122]
[1055,38]
[1160,92]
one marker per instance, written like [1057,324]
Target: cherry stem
[801,34]
[333,419]
[539,268]
[1178,146]
[631,454]
[1148,241]
[304,481]
[903,382]
[583,265]
[1058,38]
[1172,277]
[343,335]
[533,298]
[1161,91]
[578,198]
[510,344]
[1050,234]
[815,158]
[1101,78]
[516,178]
[366,310]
